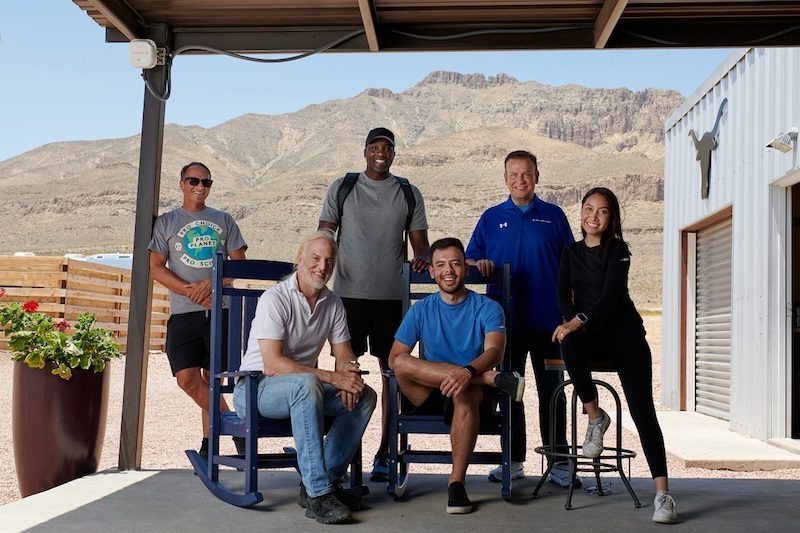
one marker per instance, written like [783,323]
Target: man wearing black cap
[372,211]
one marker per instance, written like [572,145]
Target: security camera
[143,53]
[785,141]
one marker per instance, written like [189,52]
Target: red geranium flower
[30,306]
[2,292]
[61,325]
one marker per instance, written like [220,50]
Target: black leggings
[628,350]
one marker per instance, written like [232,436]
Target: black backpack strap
[411,201]
[345,187]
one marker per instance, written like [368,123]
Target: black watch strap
[471,370]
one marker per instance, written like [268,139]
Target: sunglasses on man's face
[194,182]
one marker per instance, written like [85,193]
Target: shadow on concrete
[176,501]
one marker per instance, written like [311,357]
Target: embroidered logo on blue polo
[541,220]
[503,225]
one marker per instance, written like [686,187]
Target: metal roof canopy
[291,26]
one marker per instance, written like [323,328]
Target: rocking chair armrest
[242,374]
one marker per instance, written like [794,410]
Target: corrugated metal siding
[713,321]
[762,88]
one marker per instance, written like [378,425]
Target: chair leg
[620,469]
[542,479]
[596,465]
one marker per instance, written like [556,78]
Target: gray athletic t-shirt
[369,263]
[189,240]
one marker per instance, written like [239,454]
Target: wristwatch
[582,318]
[470,369]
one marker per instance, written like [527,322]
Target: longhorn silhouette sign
[704,146]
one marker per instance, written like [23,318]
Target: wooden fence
[64,288]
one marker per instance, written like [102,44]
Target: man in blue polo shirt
[463,335]
[530,234]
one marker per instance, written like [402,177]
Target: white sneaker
[517,472]
[665,512]
[593,443]
[559,475]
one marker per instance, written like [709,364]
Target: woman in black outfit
[600,318]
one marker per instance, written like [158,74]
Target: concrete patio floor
[176,501]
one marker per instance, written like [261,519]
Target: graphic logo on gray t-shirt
[199,241]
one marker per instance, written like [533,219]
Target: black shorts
[376,320]
[189,340]
[437,403]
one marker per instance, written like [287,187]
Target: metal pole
[133,397]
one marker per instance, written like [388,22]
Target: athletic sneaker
[327,509]
[517,472]
[457,499]
[665,512]
[241,447]
[559,475]
[203,451]
[593,443]
[352,501]
[380,469]
[511,383]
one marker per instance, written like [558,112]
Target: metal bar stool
[571,455]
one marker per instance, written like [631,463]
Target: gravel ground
[172,424]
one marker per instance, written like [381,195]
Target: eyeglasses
[194,182]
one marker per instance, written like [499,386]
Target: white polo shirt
[283,314]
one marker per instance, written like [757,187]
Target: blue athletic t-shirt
[451,333]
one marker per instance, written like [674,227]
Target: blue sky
[62,82]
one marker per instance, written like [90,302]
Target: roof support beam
[370,18]
[138,348]
[119,13]
[607,20]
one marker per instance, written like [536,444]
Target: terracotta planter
[58,425]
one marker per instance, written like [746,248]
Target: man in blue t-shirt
[463,335]
[530,234]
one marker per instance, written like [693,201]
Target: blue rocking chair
[241,305]
[402,424]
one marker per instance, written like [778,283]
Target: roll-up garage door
[713,320]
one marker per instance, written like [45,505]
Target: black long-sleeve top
[595,283]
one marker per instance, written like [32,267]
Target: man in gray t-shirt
[181,254]
[371,252]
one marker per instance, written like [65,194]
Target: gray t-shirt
[369,263]
[189,240]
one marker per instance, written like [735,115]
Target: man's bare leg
[195,383]
[464,430]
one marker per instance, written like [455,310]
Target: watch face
[582,317]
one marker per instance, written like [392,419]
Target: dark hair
[447,242]
[614,229]
[194,164]
[520,154]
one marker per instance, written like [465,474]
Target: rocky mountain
[271,172]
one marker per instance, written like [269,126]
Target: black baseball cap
[380,133]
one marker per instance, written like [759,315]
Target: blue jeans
[307,401]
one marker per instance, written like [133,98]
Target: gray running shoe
[593,443]
[665,512]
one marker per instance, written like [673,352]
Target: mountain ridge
[271,171]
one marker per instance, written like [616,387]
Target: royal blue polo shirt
[532,243]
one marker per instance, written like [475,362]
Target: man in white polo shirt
[292,322]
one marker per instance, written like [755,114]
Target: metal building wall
[763,91]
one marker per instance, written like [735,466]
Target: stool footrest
[570,455]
